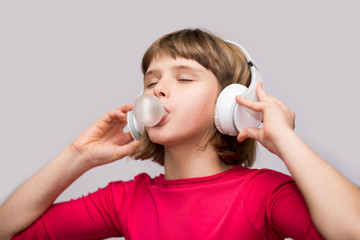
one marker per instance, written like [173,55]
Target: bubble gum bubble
[148,110]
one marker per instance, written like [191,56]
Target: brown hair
[228,64]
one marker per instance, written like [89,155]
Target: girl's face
[188,92]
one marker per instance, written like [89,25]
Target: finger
[260,92]
[263,95]
[126,138]
[246,133]
[124,109]
[119,113]
[122,113]
[256,106]
[125,150]
[110,116]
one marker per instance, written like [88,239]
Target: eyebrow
[176,67]
[185,67]
[153,71]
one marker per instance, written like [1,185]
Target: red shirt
[239,203]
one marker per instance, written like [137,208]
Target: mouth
[163,119]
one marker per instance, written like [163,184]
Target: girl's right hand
[105,140]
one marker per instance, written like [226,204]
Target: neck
[189,162]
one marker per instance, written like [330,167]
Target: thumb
[251,132]
[125,150]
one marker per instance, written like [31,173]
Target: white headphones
[229,117]
[136,129]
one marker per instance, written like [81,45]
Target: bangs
[224,60]
[192,44]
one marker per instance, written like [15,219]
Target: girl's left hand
[278,120]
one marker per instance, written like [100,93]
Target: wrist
[77,157]
[284,142]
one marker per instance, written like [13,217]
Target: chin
[171,140]
[165,138]
[158,138]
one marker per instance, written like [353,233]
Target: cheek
[200,109]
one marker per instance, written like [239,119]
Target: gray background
[63,64]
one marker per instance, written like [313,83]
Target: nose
[161,90]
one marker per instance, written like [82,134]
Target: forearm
[36,195]
[332,200]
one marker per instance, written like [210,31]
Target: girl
[207,191]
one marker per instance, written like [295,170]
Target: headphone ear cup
[136,129]
[225,109]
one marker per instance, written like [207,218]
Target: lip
[163,119]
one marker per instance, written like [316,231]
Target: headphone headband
[246,54]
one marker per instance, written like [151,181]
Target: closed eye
[151,85]
[185,80]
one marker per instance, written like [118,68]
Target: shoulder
[268,177]
[267,185]
[142,179]
[117,193]
[264,178]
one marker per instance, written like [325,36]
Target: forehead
[166,61]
